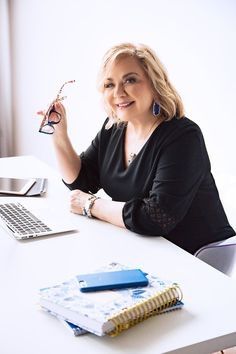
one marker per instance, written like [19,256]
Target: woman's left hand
[78,200]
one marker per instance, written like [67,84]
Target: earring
[156,109]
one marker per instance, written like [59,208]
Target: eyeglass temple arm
[60,91]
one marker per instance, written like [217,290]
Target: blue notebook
[76,330]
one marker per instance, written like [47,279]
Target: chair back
[220,255]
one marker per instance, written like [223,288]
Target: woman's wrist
[89,205]
[61,139]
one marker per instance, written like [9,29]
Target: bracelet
[88,206]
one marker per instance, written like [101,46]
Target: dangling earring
[156,109]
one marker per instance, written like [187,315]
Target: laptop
[23,223]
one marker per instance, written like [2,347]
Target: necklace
[132,155]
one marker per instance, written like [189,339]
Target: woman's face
[127,90]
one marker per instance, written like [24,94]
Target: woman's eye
[130,80]
[108,85]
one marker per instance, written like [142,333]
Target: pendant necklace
[132,155]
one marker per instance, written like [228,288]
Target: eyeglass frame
[51,110]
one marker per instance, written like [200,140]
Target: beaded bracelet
[88,206]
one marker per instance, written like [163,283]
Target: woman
[149,158]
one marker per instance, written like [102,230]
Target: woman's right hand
[60,129]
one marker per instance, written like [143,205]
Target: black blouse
[168,189]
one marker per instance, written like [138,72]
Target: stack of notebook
[109,312]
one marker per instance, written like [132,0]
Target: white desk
[207,322]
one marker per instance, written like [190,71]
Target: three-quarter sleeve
[180,169]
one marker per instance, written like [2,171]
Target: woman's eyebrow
[124,76]
[131,73]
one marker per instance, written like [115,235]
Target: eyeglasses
[47,125]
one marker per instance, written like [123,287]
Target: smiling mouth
[125,104]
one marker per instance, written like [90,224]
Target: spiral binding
[144,309]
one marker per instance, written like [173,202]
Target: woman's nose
[119,91]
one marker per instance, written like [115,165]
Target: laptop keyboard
[20,220]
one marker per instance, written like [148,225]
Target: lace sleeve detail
[159,215]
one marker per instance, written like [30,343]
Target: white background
[59,40]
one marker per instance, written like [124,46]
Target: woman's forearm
[109,211]
[103,209]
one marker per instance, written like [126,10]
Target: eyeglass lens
[56,115]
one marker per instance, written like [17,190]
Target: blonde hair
[164,92]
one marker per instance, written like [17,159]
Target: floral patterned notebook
[111,311]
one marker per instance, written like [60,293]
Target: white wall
[58,40]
